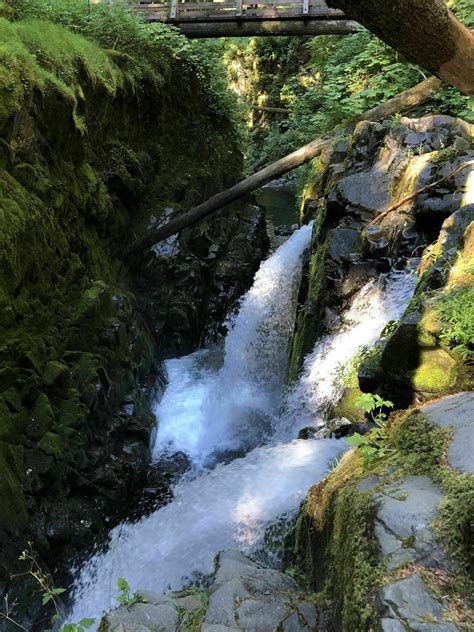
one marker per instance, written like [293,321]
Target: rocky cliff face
[381,166]
[82,329]
[386,539]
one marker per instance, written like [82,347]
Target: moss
[38,55]
[14,513]
[42,416]
[55,374]
[420,449]
[436,372]
[347,562]
[454,520]
[309,317]
[84,134]
[335,543]
[419,446]
[347,407]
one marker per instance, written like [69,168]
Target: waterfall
[201,412]
[228,401]
[377,303]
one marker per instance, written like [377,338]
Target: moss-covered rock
[435,373]
[341,533]
[347,406]
[89,160]
[431,349]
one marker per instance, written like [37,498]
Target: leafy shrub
[455,310]
[144,52]
[373,445]
[326,81]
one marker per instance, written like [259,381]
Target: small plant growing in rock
[125,596]
[373,445]
[49,595]
[373,405]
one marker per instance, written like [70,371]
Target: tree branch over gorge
[426,32]
[403,102]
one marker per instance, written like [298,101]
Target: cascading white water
[202,412]
[377,303]
[207,410]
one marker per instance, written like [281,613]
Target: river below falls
[227,408]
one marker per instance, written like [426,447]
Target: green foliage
[125,596]
[192,620]
[82,626]
[144,53]
[325,81]
[373,405]
[455,311]
[464,10]
[373,445]
[49,595]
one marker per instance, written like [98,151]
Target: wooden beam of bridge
[236,18]
[266,28]
[403,102]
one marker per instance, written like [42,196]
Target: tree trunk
[401,103]
[424,31]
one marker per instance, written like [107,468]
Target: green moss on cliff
[85,111]
[309,317]
[335,542]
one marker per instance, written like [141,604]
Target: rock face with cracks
[242,596]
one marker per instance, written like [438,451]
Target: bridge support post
[173,9]
[305,7]
[238,8]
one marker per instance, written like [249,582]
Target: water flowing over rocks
[83,331]
[349,188]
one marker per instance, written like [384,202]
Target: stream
[227,408]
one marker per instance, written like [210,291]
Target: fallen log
[403,102]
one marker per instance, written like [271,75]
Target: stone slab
[405,510]
[456,412]
[409,603]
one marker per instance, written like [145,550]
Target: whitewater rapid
[223,404]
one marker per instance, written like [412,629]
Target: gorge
[264,421]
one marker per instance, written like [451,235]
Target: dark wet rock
[369,191]
[355,277]
[342,242]
[338,428]
[376,240]
[284,230]
[307,433]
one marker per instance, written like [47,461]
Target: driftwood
[424,189]
[403,102]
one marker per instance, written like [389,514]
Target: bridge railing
[179,10]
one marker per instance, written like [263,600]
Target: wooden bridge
[236,18]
